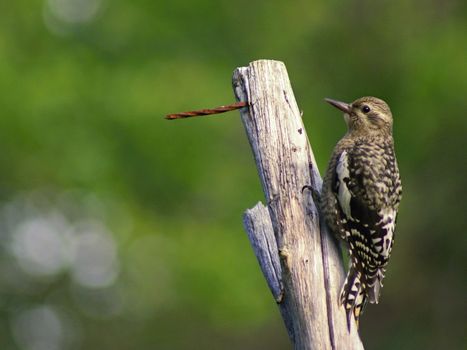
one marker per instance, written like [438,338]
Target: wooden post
[300,260]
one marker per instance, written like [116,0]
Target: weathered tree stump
[300,260]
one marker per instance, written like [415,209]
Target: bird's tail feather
[374,284]
[353,295]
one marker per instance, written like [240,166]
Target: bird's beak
[344,107]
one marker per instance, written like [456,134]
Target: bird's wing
[368,228]
[369,225]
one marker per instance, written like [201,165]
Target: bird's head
[366,115]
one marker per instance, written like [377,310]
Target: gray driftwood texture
[300,260]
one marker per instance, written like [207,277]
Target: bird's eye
[365,109]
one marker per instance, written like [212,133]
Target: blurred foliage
[121,230]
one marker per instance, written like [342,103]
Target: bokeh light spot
[74,11]
[42,244]
[39,328]
[95,262]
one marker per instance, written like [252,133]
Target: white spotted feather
[343,196]
[387,222]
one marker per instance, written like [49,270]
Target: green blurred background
[121,230]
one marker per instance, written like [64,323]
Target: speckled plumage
[360,198]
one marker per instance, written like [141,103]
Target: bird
[360,199]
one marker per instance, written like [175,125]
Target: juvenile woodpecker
[360,198]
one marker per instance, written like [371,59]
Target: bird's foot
[315,194]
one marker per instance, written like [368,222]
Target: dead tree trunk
[300,260]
